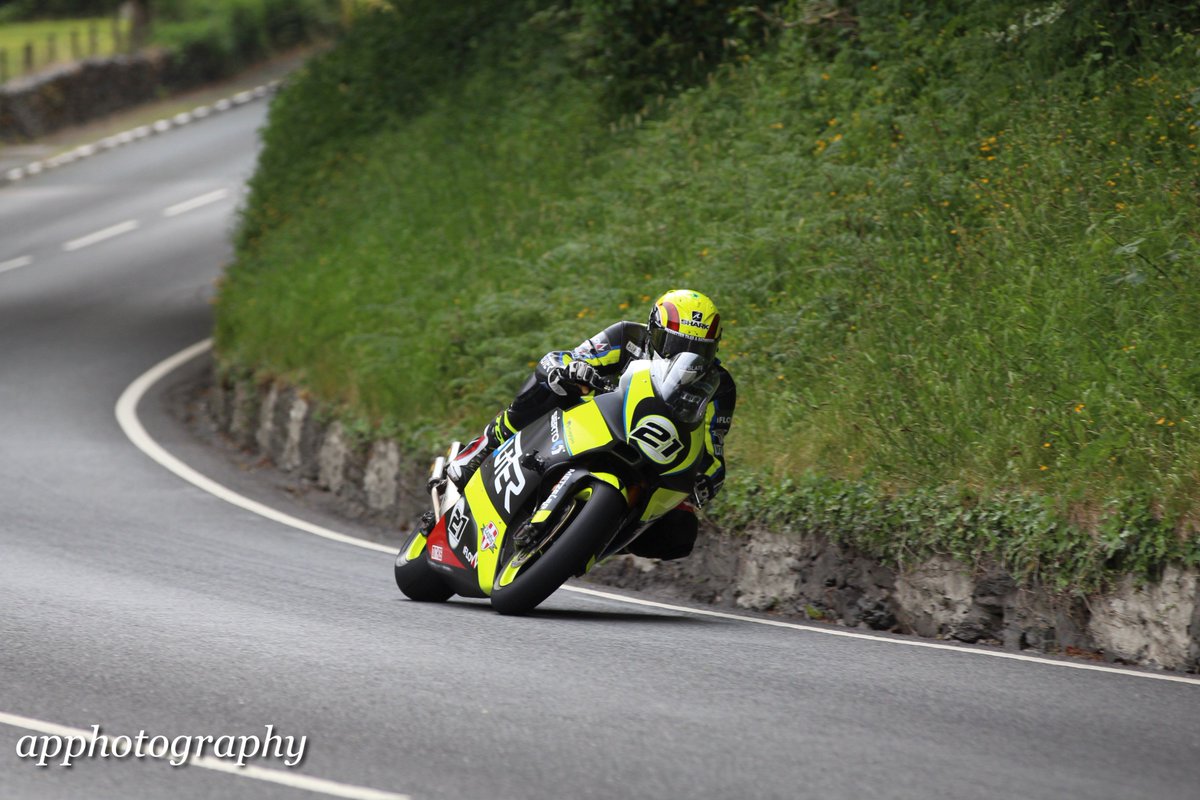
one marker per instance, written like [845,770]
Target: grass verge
[953,248]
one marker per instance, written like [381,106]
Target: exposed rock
[331,459]
[768,572]
[1148,624]
[379,482]
[935,597]
[266,421]
[243,421]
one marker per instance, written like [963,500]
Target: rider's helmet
[683,321]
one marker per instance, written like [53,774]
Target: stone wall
[795,576]
[39,104]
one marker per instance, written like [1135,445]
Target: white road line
[905,642]
[195,202]
[101,235]
[291,779]
[127,417]
[15,263]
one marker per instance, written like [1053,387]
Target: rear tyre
[417,579]
[566,555]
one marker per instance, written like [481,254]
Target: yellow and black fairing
[646,439]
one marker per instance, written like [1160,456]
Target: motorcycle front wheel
[564,556]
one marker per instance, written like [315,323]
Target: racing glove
[705,490]
[562,380]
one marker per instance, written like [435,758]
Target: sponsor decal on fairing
[549,502]
[457,525]
[557,445]
[490,532]
[509,477]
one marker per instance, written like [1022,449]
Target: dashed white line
[127,418]
[15,263]
[101,235]
[276,776]
[196,202]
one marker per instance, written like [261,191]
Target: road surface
[132,600]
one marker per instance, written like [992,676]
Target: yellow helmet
[683,321]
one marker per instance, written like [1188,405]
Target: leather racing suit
[608,352]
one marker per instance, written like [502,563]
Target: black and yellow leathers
[608,353]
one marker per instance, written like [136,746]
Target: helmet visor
[667,344]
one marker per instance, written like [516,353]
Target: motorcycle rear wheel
[566,555]
[417,578]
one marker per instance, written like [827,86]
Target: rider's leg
[672,536]
[534,400]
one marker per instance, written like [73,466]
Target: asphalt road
[132,600]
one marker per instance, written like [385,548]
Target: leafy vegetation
[955,248]
[215,38]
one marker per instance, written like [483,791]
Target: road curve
[133,600]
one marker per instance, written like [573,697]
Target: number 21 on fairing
[657,438]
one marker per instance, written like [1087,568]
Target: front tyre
[566,555]
[416,577]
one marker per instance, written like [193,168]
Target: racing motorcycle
[566,492]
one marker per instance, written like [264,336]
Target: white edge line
[101,235]
[127,417]
[195,202]
[15,263]
[872,637]
[291,779]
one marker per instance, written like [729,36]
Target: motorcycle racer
[680,321]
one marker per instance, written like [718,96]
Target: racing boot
[464,465]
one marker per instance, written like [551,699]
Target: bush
[214,38]
[641,49]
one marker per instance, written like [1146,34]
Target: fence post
[28,57]
[3,65]
[51,47]
[93,38]
[76,53]
[116,34]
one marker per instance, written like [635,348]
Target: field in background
[956,251]
[58,41]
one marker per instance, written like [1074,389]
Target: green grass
[14,37]
[956,264]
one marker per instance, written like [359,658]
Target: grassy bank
[954,250]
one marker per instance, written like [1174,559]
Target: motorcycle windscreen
[686,383]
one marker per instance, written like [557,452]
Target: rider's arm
[718,419]
[602,352]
